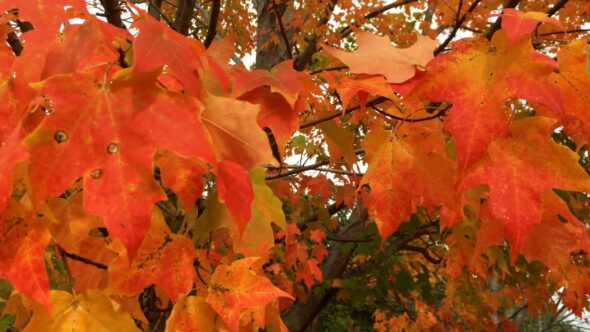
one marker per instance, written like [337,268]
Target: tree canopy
[412,165]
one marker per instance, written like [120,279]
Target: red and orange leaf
[558,235]
[235,190]
[405,172]
[183,175]
[115,158]
[361,88]
[518,175]
[193,313]
[396,64]
[235,133]
[276,113]
[237,287]
[82,47]
[518,24]
[574,84]
[23,239]
[163,259]
[156,46]
[11,153]
[478,78]
[282,79]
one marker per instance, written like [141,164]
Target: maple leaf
[83,47]
[518,24]
[402,174]
[11,153]
[114,157]
[362,87]
[236,287]
[234,131]
[396,64]
[574,84]
[275,113]
[257,239]
[92,311]
[235,190]
[553,240]
[518,175]
[478,78]
[156,46]
[193,313]
[46,16]
[163,259]
[22,242]
[183,175]
[282,79]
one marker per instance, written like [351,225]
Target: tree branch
[423,251]
[374,13]
[184,15]
[82,259]
[282,30]
[434,116]
[556,7]
[336,114]
[154,8]
[112,11]
[213,18]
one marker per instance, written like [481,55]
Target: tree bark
[269,54]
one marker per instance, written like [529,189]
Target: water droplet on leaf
[96,173]
[60,136]
[112,148]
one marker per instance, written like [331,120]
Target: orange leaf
[236,287]
[517,176]
[397,65]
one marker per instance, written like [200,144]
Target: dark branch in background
[82,259]
[12,37]
[154,8]
[332,209]
[498,23]
[458,22]
[312,43]
[374,13]
[441,112]
[564,32]
[213,18]
[299,170]
[112,11]
[336,114]
[184,15]
[556,7]
[422,251]
[282,29]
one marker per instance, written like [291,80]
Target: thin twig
[282,29]
[458,23]
[336,114]
[556,7]
[374,13]
[82,259]
[434,116]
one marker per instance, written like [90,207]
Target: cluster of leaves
[145,179]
